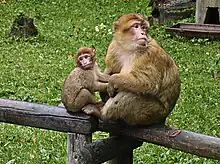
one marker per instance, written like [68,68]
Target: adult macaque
[144,84]
[80,85]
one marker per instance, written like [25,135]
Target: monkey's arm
[103,77]
[146,82]
[112,63]
[99,86]
[108,69]
[103,94]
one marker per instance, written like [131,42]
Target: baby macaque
[81,84]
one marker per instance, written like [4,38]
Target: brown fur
[145,79]
[80,85]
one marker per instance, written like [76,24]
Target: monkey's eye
[144,27]
[136,26]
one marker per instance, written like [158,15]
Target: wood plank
[195,30]
[46,117]
[186,141]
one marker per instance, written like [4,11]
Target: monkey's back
[77,80]
[170,86]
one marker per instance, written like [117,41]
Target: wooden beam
[46,117]
[186,141]
[104,150]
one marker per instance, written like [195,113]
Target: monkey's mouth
[84,64]
[88,66]
[142,41]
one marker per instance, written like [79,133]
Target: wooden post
[75,142]
[126,158]
[123,158]
[104,150]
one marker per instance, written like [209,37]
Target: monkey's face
[131,31]
[85,61]
[138,32]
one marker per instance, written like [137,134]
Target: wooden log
[46,117]
[104,150]
[186,141]
[75,142]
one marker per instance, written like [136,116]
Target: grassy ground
[33,70]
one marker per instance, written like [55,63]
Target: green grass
[33,70]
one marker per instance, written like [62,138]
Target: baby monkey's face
[85,61]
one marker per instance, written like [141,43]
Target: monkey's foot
[91,109]
[61,105]
[99,105]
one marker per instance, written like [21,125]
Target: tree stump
[23,27]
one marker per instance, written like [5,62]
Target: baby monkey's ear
[94,51]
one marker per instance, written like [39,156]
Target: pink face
[85,60]
[138,31]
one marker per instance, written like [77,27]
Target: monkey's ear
[115,26]
[94,50]
[148,24]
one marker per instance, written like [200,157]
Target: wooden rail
[81,126]
[46,117]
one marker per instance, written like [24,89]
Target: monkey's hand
[112,87]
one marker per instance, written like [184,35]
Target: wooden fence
[80,127]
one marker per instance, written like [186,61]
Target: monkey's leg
[94,109]
[100,104]
[83,98]
[110,109]
[134,109]
[86,102]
